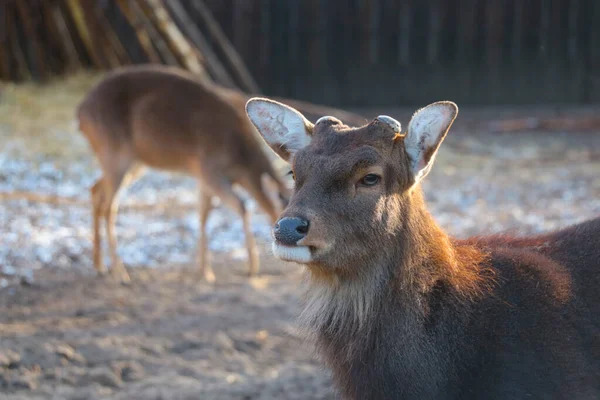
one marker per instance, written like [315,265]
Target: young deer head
[351,184]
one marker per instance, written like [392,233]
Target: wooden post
[99,35]
[404,23]
[78,16]
[242,26]
[177,42]
[22,70]
[374,21]
[264,38]
[466,42]
[234,60]
[111,38]
[516,62]
[494,24]
[211,61]
[39,60]
[137,25]
[55,49]
[574,57]
[167,54]
[294,58]
[4,53]
[591,83]
[435,28]
[58,25]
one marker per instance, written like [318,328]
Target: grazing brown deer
[400,310]
[165,118]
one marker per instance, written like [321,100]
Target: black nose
[288,231]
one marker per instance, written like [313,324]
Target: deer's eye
[291,172]
[370,180]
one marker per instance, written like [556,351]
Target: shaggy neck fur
[418,258]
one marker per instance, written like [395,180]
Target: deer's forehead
[341,161]
[342,139]
[340,148]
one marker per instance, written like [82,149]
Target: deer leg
[112,207]
[204,267]
[225,192]
[97,195]
[112,189]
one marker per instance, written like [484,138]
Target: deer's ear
[426,131]
[284,129]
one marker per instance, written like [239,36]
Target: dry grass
[38,116]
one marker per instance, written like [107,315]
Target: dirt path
[164,337]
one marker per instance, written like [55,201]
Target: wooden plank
[211,62]
[294,57]
[278,33]
[466,45]
[435,28]
[555,68]
[4,51]
[167,55]
[362,47]
[78,15]
[188,56]
[517,66]
[38,60]
[404,26]
[494,24]
[545,29]
[293,45]
[97,35]
[55,49]
[594,39]
[58,25]
[572,24]
[374,21]
[111,38]
[22,70]
[71,26]
[125,33]
[243,19]
[143,35]
[234,61]
[517,33]
[575,64]
[591,83]
[264,48]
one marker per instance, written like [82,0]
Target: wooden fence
[366,52]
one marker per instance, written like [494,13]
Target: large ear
[426,131]
[285,129]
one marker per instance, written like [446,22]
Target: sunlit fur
[400,310]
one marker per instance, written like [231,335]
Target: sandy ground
[65,334]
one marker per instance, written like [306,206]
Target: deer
[168,119]
[397,308]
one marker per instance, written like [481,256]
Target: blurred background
[523,155]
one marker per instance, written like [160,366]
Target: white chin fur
[299,254]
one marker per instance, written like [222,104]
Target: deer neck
[419,257]
[425,257]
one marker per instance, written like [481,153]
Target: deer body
[165,118]
[400,310]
